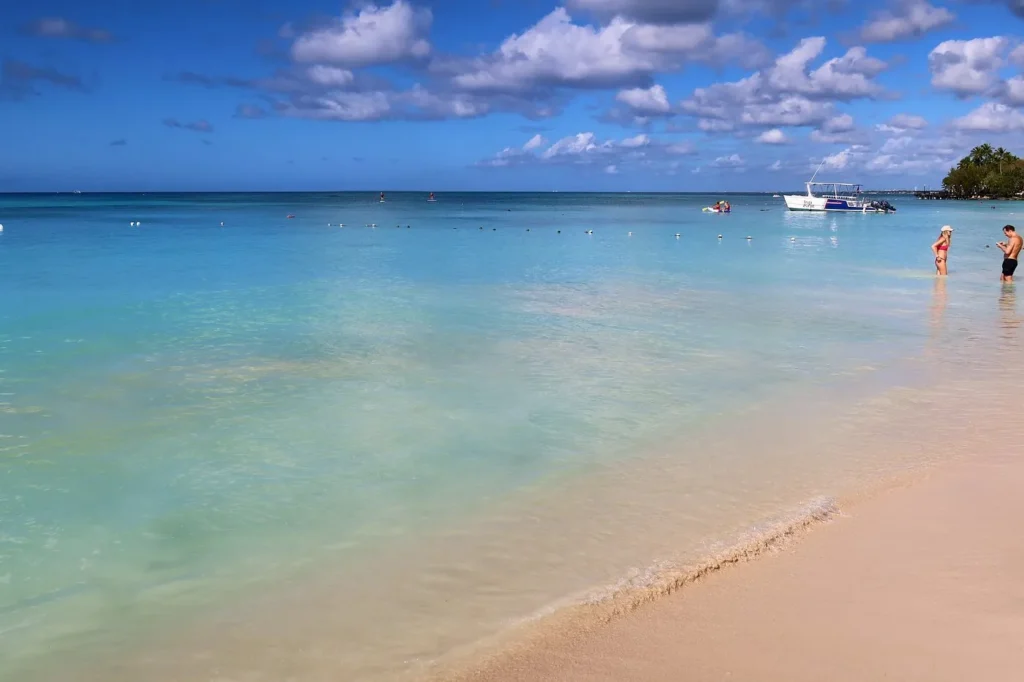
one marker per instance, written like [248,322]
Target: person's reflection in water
[1009,321]
[938,312]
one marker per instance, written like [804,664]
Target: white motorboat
[835,196]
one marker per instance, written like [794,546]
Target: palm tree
[981,155]
[1000,155]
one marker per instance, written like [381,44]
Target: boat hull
[802,202]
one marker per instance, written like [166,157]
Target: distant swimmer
[941,249]
[1011,251]
[382,197]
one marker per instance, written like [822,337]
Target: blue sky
[664,95]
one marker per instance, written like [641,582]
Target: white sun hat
[946,228]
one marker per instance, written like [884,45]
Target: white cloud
[650,101]
[374,35]
[535,142]
[842,123]
[777,166]
[714,125]
[992,117]
[611,169]
[911,19]
[839,160]
[579,144]
[789,92]
[1017,56]
[329,75]
[839,129]
[556,52]
[415,103]
[586,149]
[1013,90]
[636,141]
[901,123]
[968,67]
[773,136]
[730,161]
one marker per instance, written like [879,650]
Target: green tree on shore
[986,172]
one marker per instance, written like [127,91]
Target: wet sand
[919,582]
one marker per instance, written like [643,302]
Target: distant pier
[933,194]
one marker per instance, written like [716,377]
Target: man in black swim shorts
[1011,250]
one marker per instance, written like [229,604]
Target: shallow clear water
[188,410]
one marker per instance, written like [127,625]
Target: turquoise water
[190,409]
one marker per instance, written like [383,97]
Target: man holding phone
[1011,250]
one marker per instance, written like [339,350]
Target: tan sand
[924,582]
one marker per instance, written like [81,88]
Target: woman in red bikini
[941,249]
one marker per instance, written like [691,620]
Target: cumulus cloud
[773,136]
[331,76]
[646,101]
[901,123]
[1017,56]
[587,149]
[910,19]
[18,79]
[200,126]
[838,129]
[789,92]
[374,35]
[992,117]
[556,52]
[535,142]
[1013,91]
[968,67]
[730,161]
[900,155]
[56,27]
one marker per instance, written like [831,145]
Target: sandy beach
[917,582]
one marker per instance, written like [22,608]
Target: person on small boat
[941,249]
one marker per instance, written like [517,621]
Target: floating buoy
[1,228]
[749,237]
[559,232]
[792,239]
[630,234]
[719,236]
[677,235]
[222,223]
[527,229]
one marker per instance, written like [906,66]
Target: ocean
[241,445]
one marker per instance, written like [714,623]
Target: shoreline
[915,581]
[308,616]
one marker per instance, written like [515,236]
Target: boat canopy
[837,187]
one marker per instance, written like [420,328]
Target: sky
[445,95]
